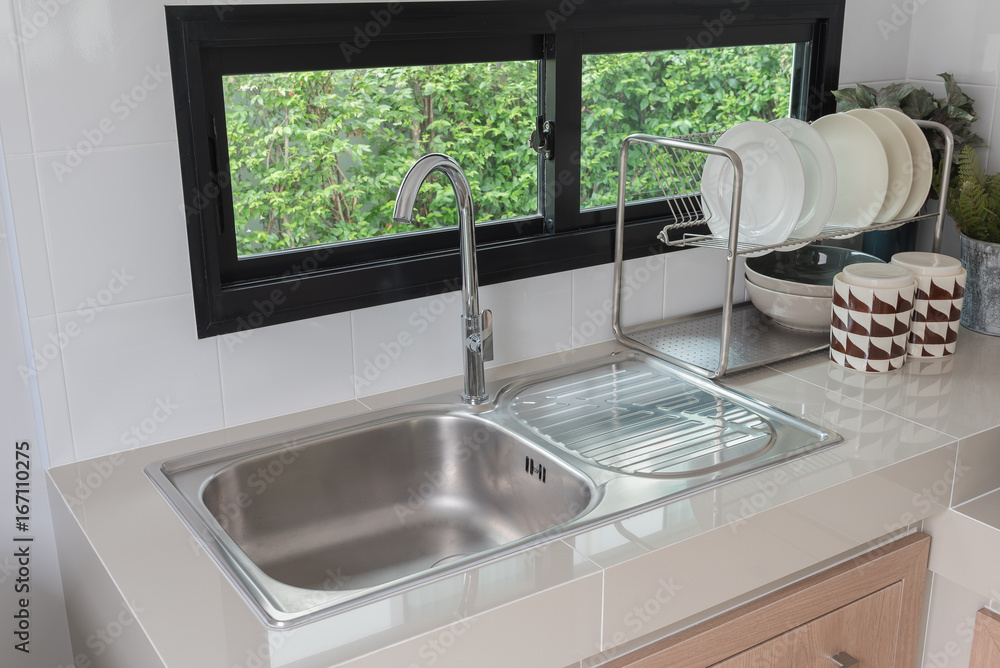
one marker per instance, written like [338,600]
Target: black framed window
[471,79]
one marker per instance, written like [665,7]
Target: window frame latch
[543,138]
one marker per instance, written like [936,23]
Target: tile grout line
[927,622]
[954,473]
[975,498]
[222,385]
[572,307]
[604,594]
[119,305]
[22,64]
[17,286]
[354,366]
[109,149]
[65,394]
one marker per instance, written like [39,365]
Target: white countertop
[598,593]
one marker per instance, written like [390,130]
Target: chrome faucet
[477,328]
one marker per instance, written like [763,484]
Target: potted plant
[974,203]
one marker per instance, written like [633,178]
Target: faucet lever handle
[486,335]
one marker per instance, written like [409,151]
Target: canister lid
[928,264]
[870,275]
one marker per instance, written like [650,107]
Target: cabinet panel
[865,629]
[986,641]
[886,583]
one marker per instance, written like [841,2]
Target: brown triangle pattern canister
[870,326]
[937,305]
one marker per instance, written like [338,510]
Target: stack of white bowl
[796,289]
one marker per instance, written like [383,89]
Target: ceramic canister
[870,323]
[937,307]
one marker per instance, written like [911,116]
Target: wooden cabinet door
[868,607]
[865,629]
[986,641]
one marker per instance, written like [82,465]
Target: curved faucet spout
[477,327]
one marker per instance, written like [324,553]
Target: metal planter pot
[981,306]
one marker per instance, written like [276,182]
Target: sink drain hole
[531,469]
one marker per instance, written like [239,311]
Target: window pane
[317,157]
[669,93]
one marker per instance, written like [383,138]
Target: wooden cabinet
[986,641]
[867,609]
[869,623]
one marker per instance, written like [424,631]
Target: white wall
[961,37]
[104,263]
[32,595]
[915,40]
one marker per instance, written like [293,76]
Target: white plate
[773,184]
[897,152]
[820,177]
[923,167]
[862,170]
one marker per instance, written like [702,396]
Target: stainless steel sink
[325,518]
[392,498]
[322,519]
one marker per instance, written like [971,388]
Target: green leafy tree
[671,93]
[316,157]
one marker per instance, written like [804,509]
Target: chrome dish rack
[732,337]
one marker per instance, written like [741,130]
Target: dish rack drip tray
[630,417]
[693,341]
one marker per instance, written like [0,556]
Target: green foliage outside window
[317,157]
[670,93]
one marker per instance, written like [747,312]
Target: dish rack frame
[729,338]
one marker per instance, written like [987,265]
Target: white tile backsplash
[115,228]
[958,36]
[406,343]
[30,231]
[136,375]
[593,289]
[643,286]
[48,343]
[876,41]
[97,74]
[286,368]
[14,127]
[530,317]
[696,280]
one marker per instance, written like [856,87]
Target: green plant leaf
[893,94]
[956,97]
[974,198]
[858,97]
[918,104]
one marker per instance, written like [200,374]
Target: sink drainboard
[629,418]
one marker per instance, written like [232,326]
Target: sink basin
[334,516]
[320,519]
[390,499]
